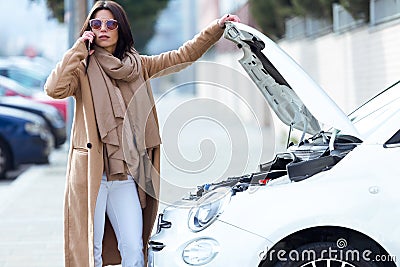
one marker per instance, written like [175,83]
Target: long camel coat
[85,159]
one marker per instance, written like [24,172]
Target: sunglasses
[96,24]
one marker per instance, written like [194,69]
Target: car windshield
[11,85]
[368,117]
[27,78]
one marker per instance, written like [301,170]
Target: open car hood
[295,98]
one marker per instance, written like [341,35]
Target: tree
[270,15]
[142,15]
[314,8]
[359,9]
[56,8]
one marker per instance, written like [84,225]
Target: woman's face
[105,37]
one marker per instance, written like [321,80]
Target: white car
[331,200]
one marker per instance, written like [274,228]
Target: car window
[7,84]
[2,90]
[24,78]
[373,113]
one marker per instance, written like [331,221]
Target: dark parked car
[50,114]
[24,139]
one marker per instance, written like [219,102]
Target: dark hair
[125,39]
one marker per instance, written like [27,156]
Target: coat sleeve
[187,53]
[64,78]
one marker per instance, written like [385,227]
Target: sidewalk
[31,216]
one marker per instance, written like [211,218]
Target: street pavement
[31,215]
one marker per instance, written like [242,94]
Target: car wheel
[5,159]
[323,254]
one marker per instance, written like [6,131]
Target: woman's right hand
[227,17]
[89,37]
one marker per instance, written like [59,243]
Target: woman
[113,166]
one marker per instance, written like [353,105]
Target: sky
[168,32]
[171,33]
[28,24]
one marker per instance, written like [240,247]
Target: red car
[10,87]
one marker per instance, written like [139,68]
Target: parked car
[9,87]
[28,74]
[41,65]
[50,114]
[24,139]
[330,200]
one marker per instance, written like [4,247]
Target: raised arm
[190,51]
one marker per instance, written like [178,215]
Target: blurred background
[349,47]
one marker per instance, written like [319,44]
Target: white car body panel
[320,201]
[171,254]
[317,201]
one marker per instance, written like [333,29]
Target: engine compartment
[299,162]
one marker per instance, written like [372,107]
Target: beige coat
[85,162]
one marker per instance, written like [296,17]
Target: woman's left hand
[227,17]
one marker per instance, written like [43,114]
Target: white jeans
[119,199]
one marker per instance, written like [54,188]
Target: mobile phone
[88,45]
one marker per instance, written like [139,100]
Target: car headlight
[33,128]
[55,119]
[208,208]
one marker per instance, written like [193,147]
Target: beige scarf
[119,91]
